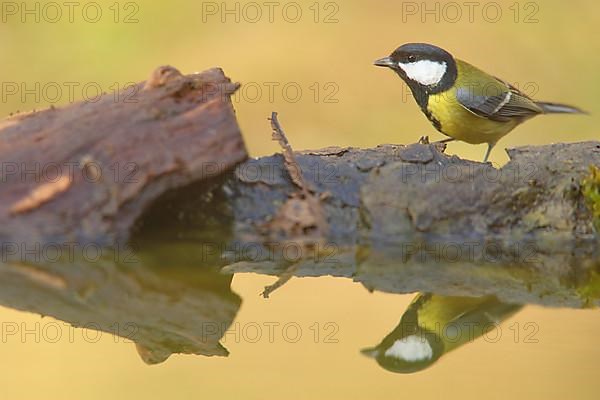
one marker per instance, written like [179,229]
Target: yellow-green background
[560,55]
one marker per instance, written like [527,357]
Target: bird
[462,101]
[434,325]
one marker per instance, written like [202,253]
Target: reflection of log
[164,310]
[86,172]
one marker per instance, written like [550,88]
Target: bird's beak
[371,352]
[385,62]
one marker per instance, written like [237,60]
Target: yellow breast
[460,123]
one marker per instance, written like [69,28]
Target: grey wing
[486,314]
[502,107]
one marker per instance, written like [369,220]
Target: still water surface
[303,342]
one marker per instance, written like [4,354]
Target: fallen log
[86,172]
[395,218]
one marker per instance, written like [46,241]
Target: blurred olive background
[317,72]
[550,49]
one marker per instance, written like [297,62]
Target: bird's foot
[423,140]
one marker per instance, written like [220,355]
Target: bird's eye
[412,58]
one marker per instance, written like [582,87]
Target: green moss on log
[591,192]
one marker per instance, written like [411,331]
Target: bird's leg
[445,141]
[489,150]
[423,140]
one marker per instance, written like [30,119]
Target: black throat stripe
[436,123]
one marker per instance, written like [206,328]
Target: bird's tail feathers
[556,108]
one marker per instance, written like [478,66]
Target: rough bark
[87,171]
[384,196]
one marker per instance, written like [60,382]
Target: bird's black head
[424,67]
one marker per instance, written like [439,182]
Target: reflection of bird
[434,325]
[462,101]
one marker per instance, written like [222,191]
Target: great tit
[462,101]
[434,325]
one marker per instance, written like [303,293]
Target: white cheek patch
[410,348]
[425,72]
